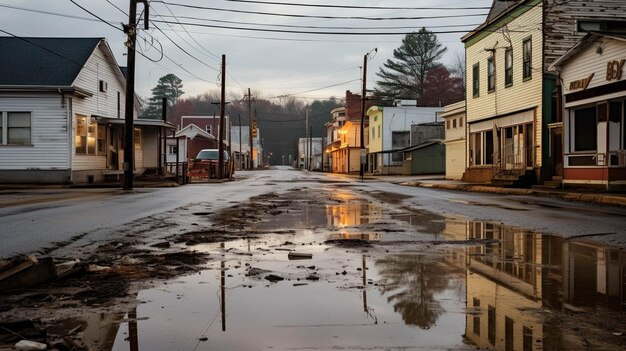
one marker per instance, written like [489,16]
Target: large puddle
[391,280]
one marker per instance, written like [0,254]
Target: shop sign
[581,83]
[614,69]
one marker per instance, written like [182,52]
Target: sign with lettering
[581,83]
[614,69]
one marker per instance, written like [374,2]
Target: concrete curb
[604,199]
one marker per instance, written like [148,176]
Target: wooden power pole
[220,159]
[129,126]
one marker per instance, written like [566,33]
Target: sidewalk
[615,199]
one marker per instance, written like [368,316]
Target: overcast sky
[270,63]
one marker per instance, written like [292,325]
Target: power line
[316,89]
[191,36]
[473,25]
[96,16]
[317,16]
[358,7]
[183,50]
[312,32]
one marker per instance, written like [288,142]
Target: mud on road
[320,268]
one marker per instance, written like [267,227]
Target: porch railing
[511,163]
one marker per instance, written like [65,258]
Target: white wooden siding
[588,61]
[104,104]
[522,94]
[49,134]
[99,67]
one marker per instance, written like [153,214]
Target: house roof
[499,9]
[422,145]
[43,61]
[588,39]
[192,131]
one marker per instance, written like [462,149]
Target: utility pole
[220,157]
[162,136]
[363,92]
[240,155]
[306,141]
[310,147]
[250,129]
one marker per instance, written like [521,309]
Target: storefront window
[585,129]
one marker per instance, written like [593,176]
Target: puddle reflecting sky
[502,295]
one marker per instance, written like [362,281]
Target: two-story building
[62,108]
[390,132]
[511,96]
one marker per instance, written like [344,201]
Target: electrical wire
[473,25]
[316,89]
[358,7]
[96,16]
[316,16]
[191,36]
[312,32]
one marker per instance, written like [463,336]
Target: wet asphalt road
[28,228]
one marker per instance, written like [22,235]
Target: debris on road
[299,255]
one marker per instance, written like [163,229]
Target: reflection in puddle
[503,295]
[356,236]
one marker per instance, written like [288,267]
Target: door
[556,141]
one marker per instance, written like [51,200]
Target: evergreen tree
[404,75]
[168,86]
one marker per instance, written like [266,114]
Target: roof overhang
[587,40]
[136,122]
[69,90]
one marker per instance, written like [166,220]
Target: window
[454,123]
[448,124]
[585,129]
[90,137]
[400,140]
[491,75]
[101,139]
[508,67]
[476,80]
[208,129]
[476,317]
[15,128]
[461,122]
[81,135]
[378,131]
[509,324]
[137,139]
[491,325]
[527,344]
[173,149]
[373,134]
[527,55]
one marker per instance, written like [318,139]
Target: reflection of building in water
[357,236]
[511,280]
[352,214]
[594,275]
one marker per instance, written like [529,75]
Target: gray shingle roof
[43,61]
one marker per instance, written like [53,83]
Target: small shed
[428,157]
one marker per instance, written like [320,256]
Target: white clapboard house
[62,113]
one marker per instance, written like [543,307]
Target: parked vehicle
[205,164]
